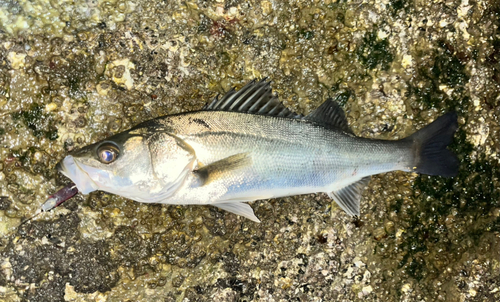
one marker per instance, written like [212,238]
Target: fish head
[140,164]
[120,163]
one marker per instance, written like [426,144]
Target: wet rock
[3,279]
[231,263]
[48,291]
[4,203]
[103,69]
[92,268]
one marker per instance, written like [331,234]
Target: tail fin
[429,146]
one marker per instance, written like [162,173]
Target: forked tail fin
[429,147]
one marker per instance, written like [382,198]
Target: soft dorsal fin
[331,115]
[348,198]
[255,97]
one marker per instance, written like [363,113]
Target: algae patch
[40,122]
[375,52]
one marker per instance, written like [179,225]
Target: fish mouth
[69,167]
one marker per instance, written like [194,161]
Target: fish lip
[84,184]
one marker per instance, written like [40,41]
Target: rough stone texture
[74,73]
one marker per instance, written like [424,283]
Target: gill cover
[171,158]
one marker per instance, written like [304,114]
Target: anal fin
[239,208]
[348,198]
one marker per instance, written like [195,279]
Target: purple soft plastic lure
[55,200]
[59,197]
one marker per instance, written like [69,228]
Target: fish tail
[429,147]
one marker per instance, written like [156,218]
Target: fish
[248,146]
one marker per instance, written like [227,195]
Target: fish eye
[107,153]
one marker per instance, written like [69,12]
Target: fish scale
[288,155]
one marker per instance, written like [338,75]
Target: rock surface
[72,73]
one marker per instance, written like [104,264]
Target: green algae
[397,4]
[446,69]
[375,52]
[305,34]
[37,120]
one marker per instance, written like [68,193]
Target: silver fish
[247,146]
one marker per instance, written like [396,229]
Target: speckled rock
[74,73]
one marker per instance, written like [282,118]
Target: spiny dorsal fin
[255,97]
[331,115]
[217,169]
[348,198]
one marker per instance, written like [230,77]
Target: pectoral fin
[348,198]
[239,208]
[221,167]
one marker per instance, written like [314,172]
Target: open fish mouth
[70,168]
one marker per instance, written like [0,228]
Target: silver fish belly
[247,146]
